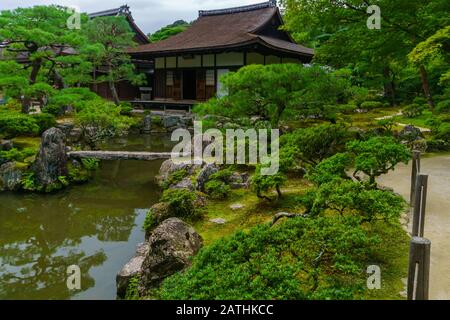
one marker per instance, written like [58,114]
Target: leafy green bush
[217,189]
[330,169]
[413,110]
[443,106]
[264,183]
[44,121]
[347,108]
[312,258]
[14,123]
[17,155]
[174,178]
[370,105]
[387,124]
[350,197]
[377,156]
[157,121]
[132,292]
[126,109]
[181,202]
[90,164]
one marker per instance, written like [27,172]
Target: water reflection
[95,226]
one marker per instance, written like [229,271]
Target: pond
[95,226]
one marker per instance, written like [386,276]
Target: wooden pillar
[419,269]
[420,202]
[415,170]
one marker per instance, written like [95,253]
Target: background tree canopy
[169,30]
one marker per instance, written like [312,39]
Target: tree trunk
[26,101]
[278,191]
[389,90]
[112,87]
[426,86]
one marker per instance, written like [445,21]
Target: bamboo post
[415,170]
[419,269]
[420,202]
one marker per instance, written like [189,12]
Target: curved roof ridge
[251,7]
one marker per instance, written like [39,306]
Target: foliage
[181,202]
[443,106]
[100,120]
[378,59]
[317,143]
[272,91]
[321,258]
[330,169]
[44,121]
[169,31]
[175,177]
[264,183]
[14,123]
[387,124]
[15,154]
[90,164]
[217,189]
[370,105]
[40,34]
[69,97]
[377,156]
[350,197]
[132,292]
[413,110]
[110,36]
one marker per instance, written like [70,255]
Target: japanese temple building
[188,66]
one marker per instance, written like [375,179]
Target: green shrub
[157,121]
[181,202]
[126,109]
[443,106]
[370,105]
[437,145]
[413,110]
[44,121]
[300,258]
[17,155]
[150,221]
[347,108]
[217,189]
[90,164]
[14,123]
[132,292]
[174,178]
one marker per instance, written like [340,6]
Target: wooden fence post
[415,170]
[420,202]
[419,269]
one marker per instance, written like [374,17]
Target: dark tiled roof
[226,28]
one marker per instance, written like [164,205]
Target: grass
[419,121]
[254,211]
[391,254]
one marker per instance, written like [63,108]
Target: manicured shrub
[174,178]
[413,110]
[217,189]
[370,105]
[181,202]
[17,155]
[443,106]
[44,121]
[15,123]
[300,258]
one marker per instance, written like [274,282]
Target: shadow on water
[95,226]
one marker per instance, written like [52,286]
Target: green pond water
[95,226]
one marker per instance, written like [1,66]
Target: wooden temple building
[188,66]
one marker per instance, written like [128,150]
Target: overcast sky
[150,15]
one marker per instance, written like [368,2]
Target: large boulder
[169,166]
[171,121]
[51,160]
[147,124]
[186,183]
[132,269]
[204,175]
[171,246]
[10,177]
